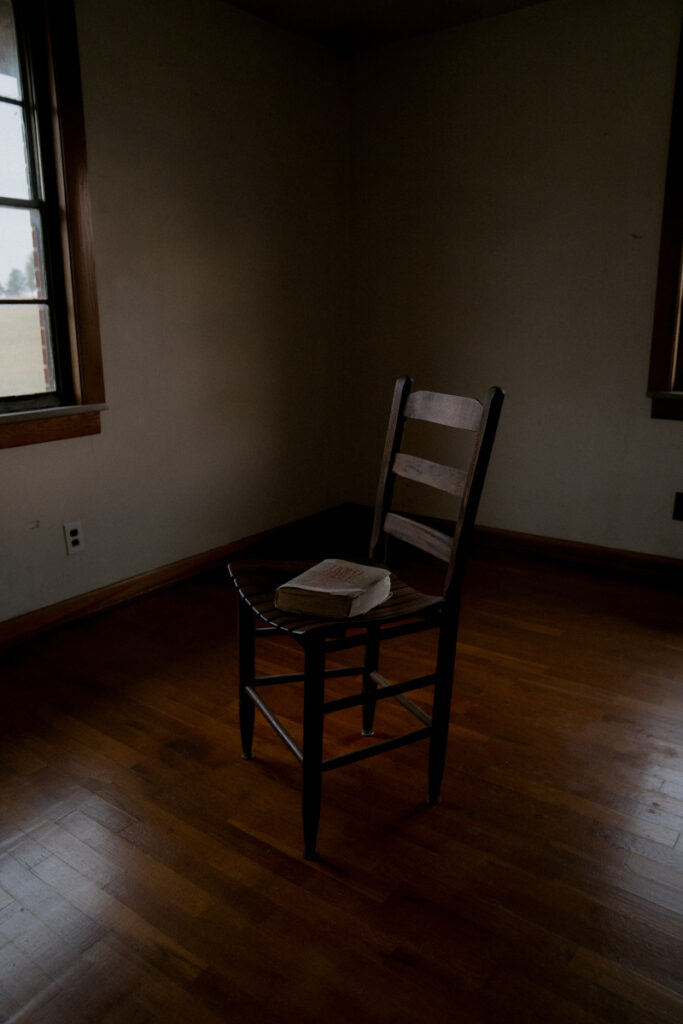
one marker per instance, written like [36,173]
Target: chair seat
[257,581]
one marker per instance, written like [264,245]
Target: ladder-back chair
[405,611]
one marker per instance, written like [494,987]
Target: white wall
[510,177]
[506,188]
[215,148]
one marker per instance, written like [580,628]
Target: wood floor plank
[149,874]
[93,901]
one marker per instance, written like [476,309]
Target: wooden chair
[406,611]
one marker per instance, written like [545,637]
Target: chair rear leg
[246,672]
[441,713]
[314,697]
[369,685]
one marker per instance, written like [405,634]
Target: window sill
[36,426]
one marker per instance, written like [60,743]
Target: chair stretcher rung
[405,702]
[298,677]
[388,690]
[273,721]
[290,677]
[376,748]
[390,631]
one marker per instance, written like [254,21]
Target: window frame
[665,383]
[48,30]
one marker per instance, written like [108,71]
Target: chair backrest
[464,484]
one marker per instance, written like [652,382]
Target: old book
[335,589]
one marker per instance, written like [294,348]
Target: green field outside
[21,351]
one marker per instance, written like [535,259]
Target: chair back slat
[424,537]
[449,410]
[465,483]
[422,471]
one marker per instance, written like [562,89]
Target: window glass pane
[22,267]
[10,83]
[13,157]
[25,351]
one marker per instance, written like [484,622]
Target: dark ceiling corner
[354,24]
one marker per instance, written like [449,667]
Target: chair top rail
[449,410]
[434,474]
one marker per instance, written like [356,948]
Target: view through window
[28,317]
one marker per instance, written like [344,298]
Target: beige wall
[505,184]
[216,171]
[510,183]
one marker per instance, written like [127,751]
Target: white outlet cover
[73,537]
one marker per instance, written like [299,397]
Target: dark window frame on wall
[665,385]
[46,34]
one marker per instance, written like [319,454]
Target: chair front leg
[441,710]
[369,685]
[246,673]
[314,697]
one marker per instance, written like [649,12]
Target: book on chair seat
[334,589]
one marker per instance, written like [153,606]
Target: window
[51,383]
[666,363]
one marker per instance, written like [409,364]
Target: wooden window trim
[664,384]
[58,21]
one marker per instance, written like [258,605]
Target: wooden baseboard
[304,537]
[657,568]
[22,627]
[344,523]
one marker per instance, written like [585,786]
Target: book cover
[335,588]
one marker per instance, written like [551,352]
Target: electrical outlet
[678,505]
[73,535]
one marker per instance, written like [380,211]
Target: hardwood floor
[148,873]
